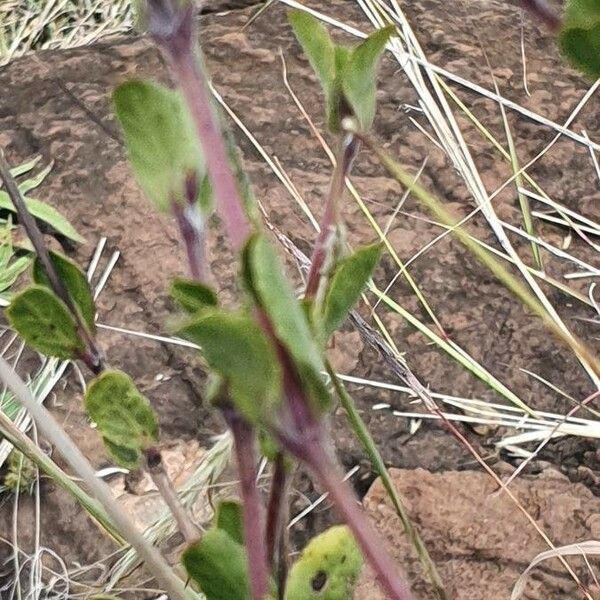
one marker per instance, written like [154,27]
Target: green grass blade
[362,433]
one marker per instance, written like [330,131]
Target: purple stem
[348,151]
[276,506]
[542,10]
[345,502]
[191,228]
[174,29]
[254,531]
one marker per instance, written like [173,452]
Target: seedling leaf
[317,45]
[45,323]
[580,35]
[76,283]
[218,565]
[45,213]
[123,415]
[230,520]
[359,76]
[327,569]
[163,150]
[347,283]
[264,276]
[238,350]
[191,295]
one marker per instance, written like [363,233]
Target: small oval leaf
[229,519]
[580,35]
[162,147]
[76,283]
[218,565]
[238,350]
[360,73]
[191,295]
[347,283]
[123,415]
[45,323]
[327,568]
[264,276]
[317,45]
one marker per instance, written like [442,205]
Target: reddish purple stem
[276,507]
[254,530]
[346,503]
[173,29]
[542,10]
[331,216]
[191,227]
[300,432]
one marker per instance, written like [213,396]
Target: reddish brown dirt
[58,105]
[480,542]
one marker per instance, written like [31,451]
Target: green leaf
[327,59]
[125,456]
[238,350]
[318,47]
[269,448]
[123,415]
[45,213]
[359,76]
[580,35]
[218,565]
[337,106]
[76,283]
[30,184]
[45,323]
[161,141]
[205,196]
[327,569]
[230,520]
[264,276]
[10,273]
[25,167]
[191,295]
[347,283]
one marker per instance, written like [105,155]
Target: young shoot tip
[350,125]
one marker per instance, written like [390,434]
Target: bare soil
[57,104]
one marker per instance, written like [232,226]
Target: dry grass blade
[580,549]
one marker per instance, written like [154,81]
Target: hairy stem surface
[331,217]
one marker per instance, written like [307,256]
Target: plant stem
[348,151]
[363,434]
[156,469]
[191,228]
[254,530]
[25,445]
[277,517]
[543,11]
[46,423]
[275,506]
[174,30]
[92,356]
[341,493]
